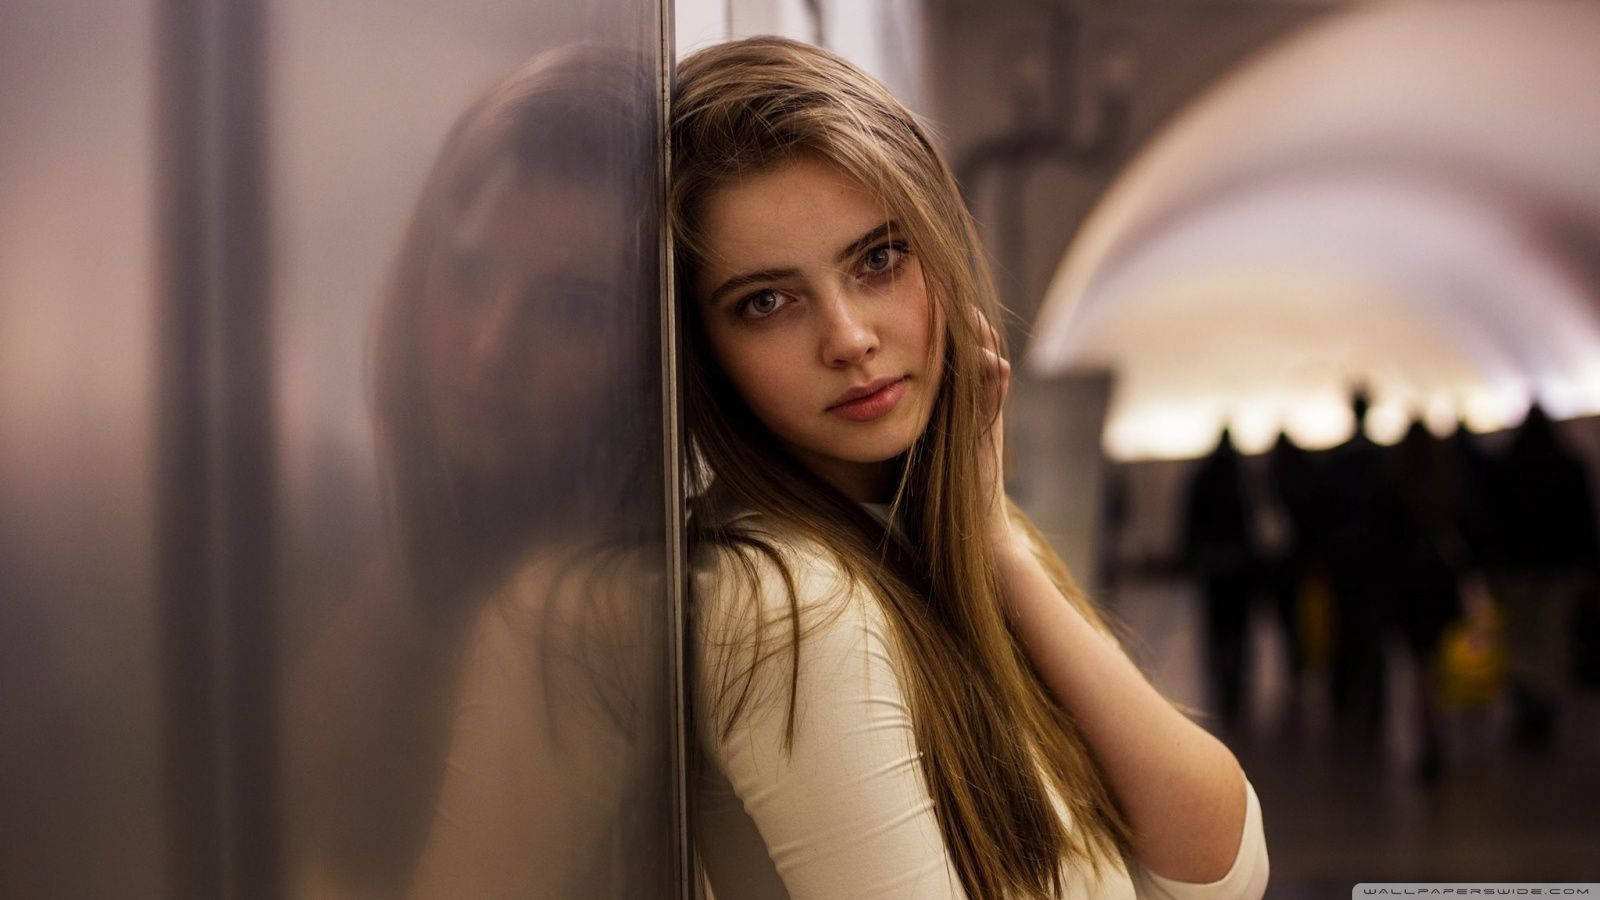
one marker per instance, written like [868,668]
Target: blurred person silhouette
[1434,558]
[1543,556]
[1220,550]
[492,721]
[1291,481]
[1273,541]
[1362,534]
[1586,637]
[1475,523]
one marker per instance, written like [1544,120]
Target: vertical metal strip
[183,485]
[246,448]
[687,882]
[215,476]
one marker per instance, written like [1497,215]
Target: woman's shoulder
[736,538]
[758,558]
[746,530]
[766,588]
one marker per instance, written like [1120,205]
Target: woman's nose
[491,325]
[848,335]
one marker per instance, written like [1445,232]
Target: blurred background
[304,592]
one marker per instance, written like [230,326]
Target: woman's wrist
[1007,544]
[1005,539]
[1011,549]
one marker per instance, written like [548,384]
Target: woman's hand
[1180,789]
[995,372]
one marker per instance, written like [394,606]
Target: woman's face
[814,305]
[515,329]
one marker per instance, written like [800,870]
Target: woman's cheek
[765,395]
[768,373]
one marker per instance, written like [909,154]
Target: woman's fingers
[988,337]
[993,369]
[996,373]
[996,384]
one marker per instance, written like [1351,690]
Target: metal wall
[339,554]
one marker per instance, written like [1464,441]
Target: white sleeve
[1246,879]
[846,813]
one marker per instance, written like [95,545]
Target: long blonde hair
[994,745]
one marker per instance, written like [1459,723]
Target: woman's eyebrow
[860,243]
[748,278]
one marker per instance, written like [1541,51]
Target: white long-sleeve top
[845,813]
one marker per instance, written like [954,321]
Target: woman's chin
[869,446]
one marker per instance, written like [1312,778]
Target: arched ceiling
[1406,196]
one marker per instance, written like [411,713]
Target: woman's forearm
[1180,789]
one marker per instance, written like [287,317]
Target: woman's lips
[875,405]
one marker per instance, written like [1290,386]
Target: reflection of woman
[525,303]
[509,350]
[899,691]
[511,737]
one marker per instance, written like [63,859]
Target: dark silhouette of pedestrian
[1292,482]
[1433,558]
[1544,556]
[1363,533]
[1219,551]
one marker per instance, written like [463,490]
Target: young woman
[898,690]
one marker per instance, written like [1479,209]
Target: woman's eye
[761,304]
[883,258]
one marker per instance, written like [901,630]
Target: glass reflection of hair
[768,130]
[514,366]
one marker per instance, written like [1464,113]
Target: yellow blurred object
[1472,659]
[1314,621]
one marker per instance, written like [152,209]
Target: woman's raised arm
[1182,792]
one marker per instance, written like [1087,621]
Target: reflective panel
[80,743]
[335,555]
[475,620]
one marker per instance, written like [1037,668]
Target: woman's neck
[861,482]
